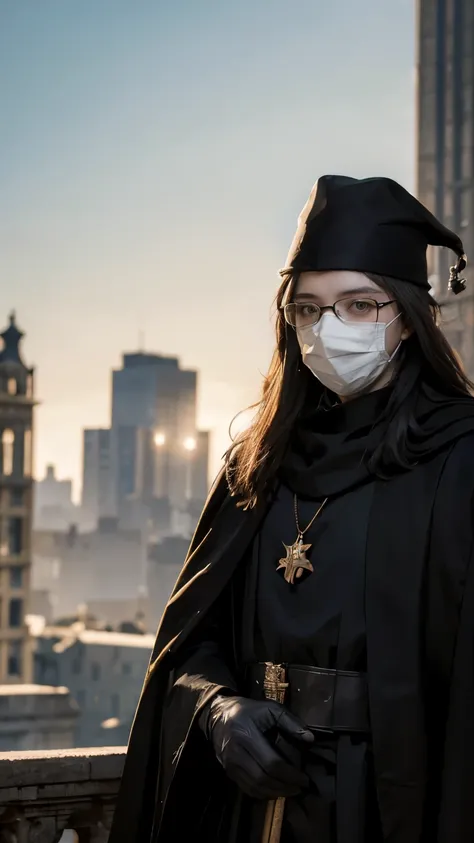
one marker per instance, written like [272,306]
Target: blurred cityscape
[83,586]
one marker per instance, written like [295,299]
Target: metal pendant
[295,561]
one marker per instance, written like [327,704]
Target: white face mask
[347,357]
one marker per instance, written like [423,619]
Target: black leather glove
[243,733]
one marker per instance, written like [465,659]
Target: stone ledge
[44,793]
[23,769]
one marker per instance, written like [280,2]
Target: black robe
[419,608]
[319,621]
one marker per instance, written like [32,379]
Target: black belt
[335,700]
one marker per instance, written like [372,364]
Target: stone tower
[16,489]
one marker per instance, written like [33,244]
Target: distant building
[153,427]
[16,506]
[446,149]
[150,469]
[108,563]
[53,505]
[104,672]
[97,496]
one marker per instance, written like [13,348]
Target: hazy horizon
[154,159]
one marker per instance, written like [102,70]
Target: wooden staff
[275,687]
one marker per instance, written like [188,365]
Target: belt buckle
[275,685]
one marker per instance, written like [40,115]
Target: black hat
[370,225]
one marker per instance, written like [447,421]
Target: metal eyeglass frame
[379,305]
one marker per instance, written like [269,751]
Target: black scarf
[331,445]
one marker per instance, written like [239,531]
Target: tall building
[96,477]
[153,430]
[445,105]
[16,507]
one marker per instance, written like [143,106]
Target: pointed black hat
[370,225]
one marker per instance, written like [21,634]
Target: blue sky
[154,157]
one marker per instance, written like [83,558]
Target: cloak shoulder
[223,533]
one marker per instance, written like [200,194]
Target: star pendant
[295,561]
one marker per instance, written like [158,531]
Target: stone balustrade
[59,795]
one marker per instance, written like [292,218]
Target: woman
[338,543]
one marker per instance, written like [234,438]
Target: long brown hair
[253,459]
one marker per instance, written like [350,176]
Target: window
[14,535]
[126,669]
[95,671]
[15,654]
[11,543]
[114,705]
[16,497]
[11,386]
[16,577]
[27,467]
[15,613]
[8,442]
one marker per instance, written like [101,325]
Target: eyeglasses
[302,314]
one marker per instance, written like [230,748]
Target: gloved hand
[239,729]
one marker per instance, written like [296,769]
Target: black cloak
[420,646]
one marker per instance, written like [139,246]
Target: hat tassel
[456,283]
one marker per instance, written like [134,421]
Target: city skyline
[158,160]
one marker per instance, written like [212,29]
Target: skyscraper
[96,478]
[445,106]
[153,431]
[16,429]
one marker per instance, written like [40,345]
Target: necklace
[295,561]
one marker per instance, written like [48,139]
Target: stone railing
[59,795]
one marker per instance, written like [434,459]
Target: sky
[154,157]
